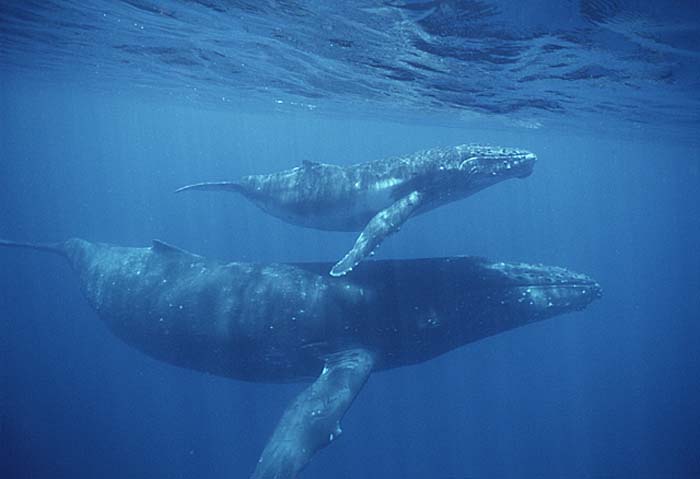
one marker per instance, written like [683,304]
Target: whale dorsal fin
[384,223]
[312,421]
[161,247]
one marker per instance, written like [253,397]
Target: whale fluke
[212,186]
[56,248]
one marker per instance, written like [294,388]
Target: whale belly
[346,209]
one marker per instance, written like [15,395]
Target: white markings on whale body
[378,195]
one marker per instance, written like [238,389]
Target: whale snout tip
[526,163]
[588,291]
[528,157]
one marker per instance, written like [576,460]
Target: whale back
[236,319]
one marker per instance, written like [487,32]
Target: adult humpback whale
[283,322]
[379,196]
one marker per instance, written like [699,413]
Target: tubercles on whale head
[544,291]
[487,165]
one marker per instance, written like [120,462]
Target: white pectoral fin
[382,225]
[312,421]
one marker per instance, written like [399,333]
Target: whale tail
[213,186]
[56,248]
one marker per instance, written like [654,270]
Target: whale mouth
[518,164]
[548,278]
[496,163]
[590,289]
[558,297]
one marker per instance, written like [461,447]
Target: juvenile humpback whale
[287,322]
[379,196]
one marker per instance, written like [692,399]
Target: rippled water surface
[611,63]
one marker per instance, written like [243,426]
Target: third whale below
[376,197]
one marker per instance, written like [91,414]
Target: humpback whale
[377,197]
[291,322]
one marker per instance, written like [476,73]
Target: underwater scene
[377,239]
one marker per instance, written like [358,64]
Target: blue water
[106,109]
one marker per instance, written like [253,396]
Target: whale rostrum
[376,197]
[293,322]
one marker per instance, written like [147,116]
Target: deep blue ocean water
[106,109]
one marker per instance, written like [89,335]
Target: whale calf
[290,322]
[377,197]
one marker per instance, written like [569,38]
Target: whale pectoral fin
[382,225]
[312,421]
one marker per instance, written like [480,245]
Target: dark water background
[609,392]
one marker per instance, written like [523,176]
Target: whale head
[481,166]
[435,305]
[538,291]
[498,297]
